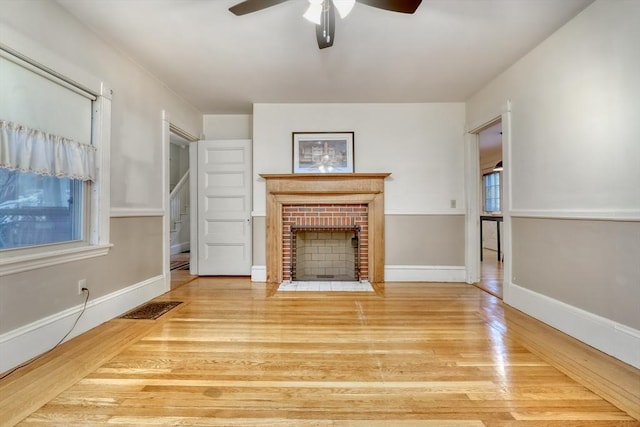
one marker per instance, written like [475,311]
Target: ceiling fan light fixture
[344,7]
[323,12]
[314,12]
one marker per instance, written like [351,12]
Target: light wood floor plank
[33,386]
[237,353]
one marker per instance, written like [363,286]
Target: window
[39,210]
[492,192]
[54,134]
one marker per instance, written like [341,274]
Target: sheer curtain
[31,150]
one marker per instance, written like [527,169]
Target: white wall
[575,102]
[574,163]
[422,145]
[227,126]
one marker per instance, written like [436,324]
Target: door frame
[167,129]
[473,190]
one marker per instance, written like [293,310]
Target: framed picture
[323,152]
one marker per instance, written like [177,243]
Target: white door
[224,208]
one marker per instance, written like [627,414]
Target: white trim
[255,214]
[482,124]
[615,339]
[101,188]
[472,201]
[507,198]
[441,212]
[180,247]
[18,264]
[593,214]
[258,273]
[425,273]
[166,199]
[179,131]
[134,212]
[193,208]
[26,342]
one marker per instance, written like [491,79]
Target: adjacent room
[320,212]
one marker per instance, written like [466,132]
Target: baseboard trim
[180,247]
[28,341]
[425,273]
[615,339]
[258,273]
[398,273]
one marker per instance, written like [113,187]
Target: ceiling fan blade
[249,6]
[327,28]
[402,6]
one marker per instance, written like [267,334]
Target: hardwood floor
[237,353]
[181,275]
[491,273]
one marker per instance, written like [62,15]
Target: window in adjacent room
[492,192]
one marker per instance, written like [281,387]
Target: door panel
[224,208]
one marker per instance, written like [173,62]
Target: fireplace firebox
[325,253]
[321,223]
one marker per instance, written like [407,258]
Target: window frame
[484,192]
[96,241]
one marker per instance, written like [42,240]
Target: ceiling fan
[322,12]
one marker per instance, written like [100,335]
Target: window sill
[21,263]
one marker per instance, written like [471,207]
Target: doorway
[491,192]
[175,173]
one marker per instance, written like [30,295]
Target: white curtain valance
[31,150]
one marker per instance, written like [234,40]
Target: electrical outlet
[453,203]
[82,284]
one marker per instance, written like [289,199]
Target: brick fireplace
[317,241]
[327,204]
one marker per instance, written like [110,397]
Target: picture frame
[323,152]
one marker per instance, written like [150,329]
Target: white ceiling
[222,63]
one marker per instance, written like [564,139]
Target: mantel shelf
[326,176]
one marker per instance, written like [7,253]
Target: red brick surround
[317,214]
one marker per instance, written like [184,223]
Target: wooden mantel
[299,189]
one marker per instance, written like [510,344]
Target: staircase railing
[179,201]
